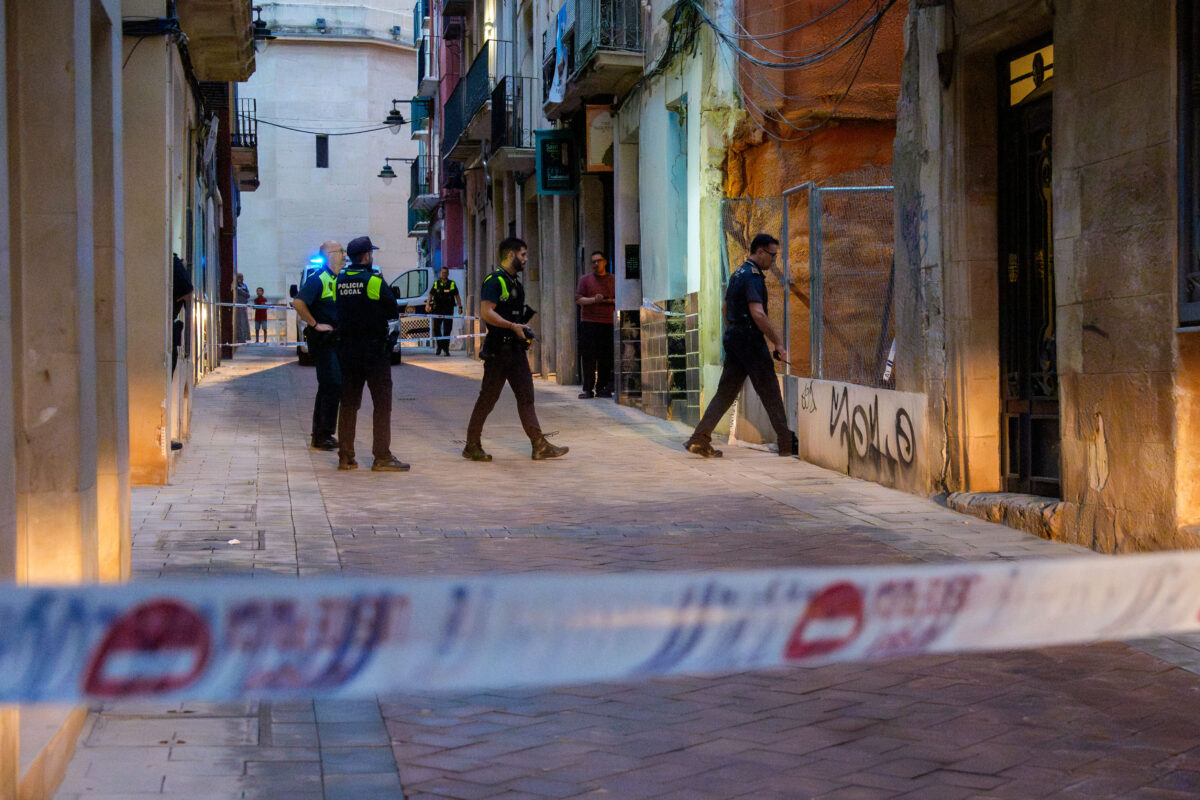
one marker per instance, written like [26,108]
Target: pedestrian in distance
[502,307]
[316,304]
[443,296]
[594,294]
[260,316]
[750,340]
[365,305]
[241,314]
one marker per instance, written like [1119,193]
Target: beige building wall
[333,84]
[64,508]
[1128,410]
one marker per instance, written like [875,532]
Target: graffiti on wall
[874,434]
[866,436]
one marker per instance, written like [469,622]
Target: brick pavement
[1108,720]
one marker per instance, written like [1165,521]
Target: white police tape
[227,639]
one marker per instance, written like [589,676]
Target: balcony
[418,222]
[513,117]
[472,122]
[244,140]
[422,116]
[604,54]
[421,195]
[420,21]
[457,8]
[427,82]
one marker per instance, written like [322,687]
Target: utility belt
[316,338]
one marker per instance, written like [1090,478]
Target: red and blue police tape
[226,639]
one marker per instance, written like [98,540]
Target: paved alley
[1108,720]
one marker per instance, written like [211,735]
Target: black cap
[359,246]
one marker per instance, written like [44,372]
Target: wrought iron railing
[477,83]
[422,111]
[420,178]
[606,25]
[245,131]
[453,118]
[513,113]
[418,220]
[420,12]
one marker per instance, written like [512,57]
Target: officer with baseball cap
[365,304]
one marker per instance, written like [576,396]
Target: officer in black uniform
[443,296]
[364,305]
[749,341]
[316,305]
[502,307]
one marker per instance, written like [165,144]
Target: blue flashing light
[317,261]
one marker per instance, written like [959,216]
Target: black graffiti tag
[859,431]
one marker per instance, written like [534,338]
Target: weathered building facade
[103,138]
[1046,260]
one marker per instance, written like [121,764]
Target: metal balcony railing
[245,130]
[453,118]
[418,221]
[422,112]
[420,178]
[599,25]
[606,25]
[420,12]
[421,57]
[477,83]
[513,112]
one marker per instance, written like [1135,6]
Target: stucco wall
[1123,396]
[326,85]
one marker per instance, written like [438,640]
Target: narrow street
[1108,720]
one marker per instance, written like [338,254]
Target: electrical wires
[764,68]
[261,121]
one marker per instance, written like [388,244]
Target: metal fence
[845,237]
[830,292]
[513,112]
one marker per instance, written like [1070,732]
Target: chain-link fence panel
[857,279]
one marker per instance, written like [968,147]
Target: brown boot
[702,449]
[347,462]
[474,451]
[542,449]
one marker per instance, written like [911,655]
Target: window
[1189,165]
[322,151]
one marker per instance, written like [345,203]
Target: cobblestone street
[1107,720]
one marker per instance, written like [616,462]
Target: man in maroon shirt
[595,297]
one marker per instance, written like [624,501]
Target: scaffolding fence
[836,275]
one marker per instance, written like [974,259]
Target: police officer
[443,296]
[502,307]
[316,306]
[749,341]
[364,305]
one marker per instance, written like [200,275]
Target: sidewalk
[1107,720]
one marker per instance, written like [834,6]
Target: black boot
[475,452]
[702,449]
[542,449]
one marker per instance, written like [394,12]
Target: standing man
[749,341]
[241,313]
[502,307]
[316,306]
[364,305]
[443,296]
[595,297]
[260,316]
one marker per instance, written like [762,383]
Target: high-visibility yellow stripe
[373,287]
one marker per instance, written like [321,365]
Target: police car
[411,289]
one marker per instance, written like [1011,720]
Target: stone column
[54,358]
[112,398]
[548,237]
[564,289]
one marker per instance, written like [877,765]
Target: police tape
[255,306]
[228,639]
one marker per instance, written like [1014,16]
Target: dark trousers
[329,390]
[365,362]
[746,356]
[596,352]
[509,364]
[441,333]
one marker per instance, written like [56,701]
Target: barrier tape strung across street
[228,639]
